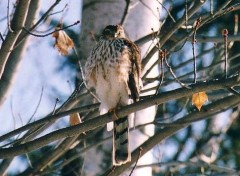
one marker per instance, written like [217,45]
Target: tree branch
[103,119]
[168,131]
[18,22]
[198,4]
[15,56]
[47,119]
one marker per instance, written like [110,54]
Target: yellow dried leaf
[63,42]
[75,119]
[198,99]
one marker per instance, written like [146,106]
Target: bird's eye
[107,30]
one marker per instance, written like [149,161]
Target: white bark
[142,18]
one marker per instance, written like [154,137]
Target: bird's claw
[115,116]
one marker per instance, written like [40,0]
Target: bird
[113,69]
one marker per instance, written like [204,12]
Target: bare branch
[50,33]
[125,13]
[11,38]
[225,35]
[168,131]
[8,18]
[169,13]
[198,22]
[47,119]
[43,17]
[16,55]
[103,119]
[173,29]
[171,71]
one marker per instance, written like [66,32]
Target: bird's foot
[115,116]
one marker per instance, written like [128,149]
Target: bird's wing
[134,81]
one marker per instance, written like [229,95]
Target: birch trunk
[15,57]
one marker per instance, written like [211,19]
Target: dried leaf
[198,99]
[75,119]
[63,42]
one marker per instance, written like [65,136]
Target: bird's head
[113,31]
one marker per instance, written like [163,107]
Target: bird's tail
[121,151]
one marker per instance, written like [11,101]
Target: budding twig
[55,105]
[225,35]
[198,22]
[45,35]
[161,57]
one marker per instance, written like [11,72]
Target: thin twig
[171,71]
[150,69]
[64,13]
[1,36]
[139,155]
[13,116]
[187,75]
[225,35]
[169,13]
[29,161]
[198,22]
[211,7]
[60,11]
[82,74]
[150,9]
[161,57]
[164,165]
[235,30]
[206,19]
[21,120]
[48,118]
[221,11]
[45,15]
[35,111]
[55,105]
[174,28]
[8,18]
[80,153]
[186,14]
[234,91]
[158,45]
[72,96]
[45,35]
[125,13]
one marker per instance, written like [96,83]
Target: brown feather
[135,71]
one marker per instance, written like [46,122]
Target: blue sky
[37,71]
